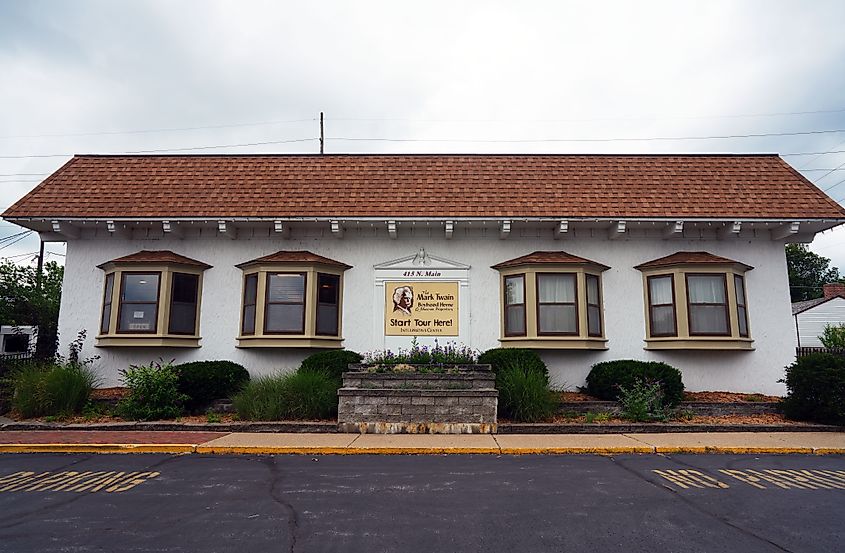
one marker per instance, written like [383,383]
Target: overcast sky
[111,77]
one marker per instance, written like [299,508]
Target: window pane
[708,319]
[104,322]
[660,290]
[16,343]
[515,320]
[183,318]
[109,288]
[327,288]
[284,318]
[742,317]
[514,290]
[662,320]
[286,288]
[327,319]
[557,318]
[592,289]
[138,317]
[249,319]
[140,287]
[185,288]
[556,288]
[706,288]
[250,289]
[739,283]
[594,320]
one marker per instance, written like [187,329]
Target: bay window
[695,300]
[291,299]
[551,300]
[151,298]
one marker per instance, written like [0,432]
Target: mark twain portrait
[403,299]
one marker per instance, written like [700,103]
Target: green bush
[301,395]
[606,379]
[333,362]
[816,389]
[833,336]
[153,393]
[642,401]
[204,381]
[51,389]
[527,359]
[524,395]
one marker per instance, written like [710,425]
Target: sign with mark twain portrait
[421,309]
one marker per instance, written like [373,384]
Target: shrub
[57,389]
[204,381]
[816,389]
[310,394]
[153,393]
[524,395]
[833,336]
[333,362]
[606,379]
[642,401]
[527,359]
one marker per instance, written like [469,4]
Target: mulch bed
[699,397]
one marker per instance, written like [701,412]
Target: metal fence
[803,352]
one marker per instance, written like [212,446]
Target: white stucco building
[264,259]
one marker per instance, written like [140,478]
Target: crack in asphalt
[696,507]
[276,495]
[73,498]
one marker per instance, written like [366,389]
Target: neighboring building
[812,316]
[17,340]
[264,259]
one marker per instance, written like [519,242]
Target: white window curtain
[660,290]
[706,288]
[707,319]
[556,288]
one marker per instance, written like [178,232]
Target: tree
[833,336]
[808,272]
[23,304]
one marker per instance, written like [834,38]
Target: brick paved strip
[106,437]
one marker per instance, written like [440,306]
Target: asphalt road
[410,504]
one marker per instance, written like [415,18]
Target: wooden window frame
[743,306]
[587,277]
[107,302]
[538,303]
[303,303]
[727,305]
[254,304]
[170,307]
[506,305]
[652,305]
[336,305]
[121,303]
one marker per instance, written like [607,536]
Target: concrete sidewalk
[351,444]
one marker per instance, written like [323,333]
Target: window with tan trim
[150,303]
[696,306]
[551,305]
[291,304]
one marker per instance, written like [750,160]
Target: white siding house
[813,315]
[264,260]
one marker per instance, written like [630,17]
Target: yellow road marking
[73,481]
[762,479]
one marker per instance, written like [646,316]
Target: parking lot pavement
[244,503]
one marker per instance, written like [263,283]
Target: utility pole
[40,267]
[321,133]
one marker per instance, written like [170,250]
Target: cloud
[439,70]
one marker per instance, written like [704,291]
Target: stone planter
[425,399]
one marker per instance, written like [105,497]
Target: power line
[617,139]
[829,172]
[163,150]
[166,129]
[814,154]
[833,186]
[6,238]
[20,180]
[22,174]
[13,242]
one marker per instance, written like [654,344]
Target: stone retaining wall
[461,401]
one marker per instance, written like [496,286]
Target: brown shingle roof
[711,186]
[687,258]
[291,256]
[548,258]
[157,256]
